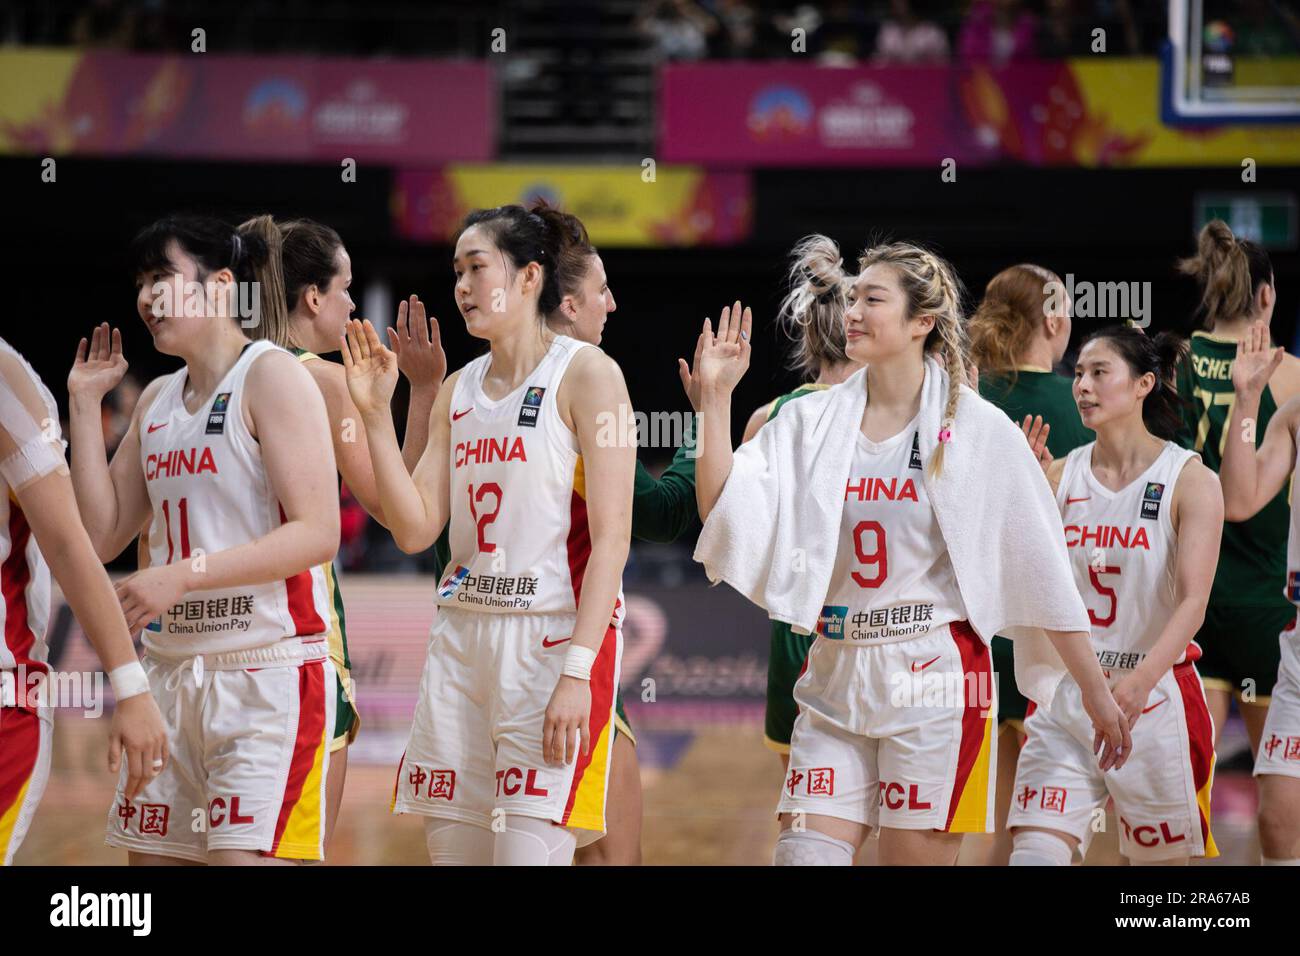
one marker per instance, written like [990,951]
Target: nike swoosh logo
[1147,710]
[457,416]
[1070,501]
[547,643]
[917,670]
[154,428]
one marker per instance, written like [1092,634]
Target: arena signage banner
[1081,112]
[290,108]
[645,204]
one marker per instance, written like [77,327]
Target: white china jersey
[1122,549]
[1293,548]
[210,492]
[519,535]
[24,576]
[893,579]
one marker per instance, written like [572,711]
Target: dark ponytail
[1162,409]
[523,237]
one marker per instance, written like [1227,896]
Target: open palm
[371,368]
[98,368]
[724,357]
[1256,361]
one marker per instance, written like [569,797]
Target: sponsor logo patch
[532,406]
[1151,498]
[830,623]
[217,414]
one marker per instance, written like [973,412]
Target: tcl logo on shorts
[892,796]
[508,782]
[220,811]
[1148,835]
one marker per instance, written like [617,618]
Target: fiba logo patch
[217,414]
[532,406]
[453,581]
[830,624]
[916,452]
[1151,500]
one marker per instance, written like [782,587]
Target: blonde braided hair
[932,288]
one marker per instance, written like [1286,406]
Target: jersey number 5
[1094,576]
[481,521]
[879,557]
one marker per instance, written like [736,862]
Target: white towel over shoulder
[773,533]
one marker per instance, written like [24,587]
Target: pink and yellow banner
[1092,112]
[633,205]
[205,106]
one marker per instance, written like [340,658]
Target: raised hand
[724,357]
[371,368]
[418,345]
[1256,361]
[1035,431]
[97,369]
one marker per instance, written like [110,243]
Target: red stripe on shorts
[311,731]
[602,702]
[1200,734]
[20,745]
[975,659]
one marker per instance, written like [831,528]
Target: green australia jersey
[1035,392]
[1252,555]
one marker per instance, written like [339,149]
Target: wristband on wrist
[129,680]
[578,661]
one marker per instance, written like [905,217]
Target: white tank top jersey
[1122,549]
[24,576]
[1292,588]
[210,492]
[893,579]
[519,537]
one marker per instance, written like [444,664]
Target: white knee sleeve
[1038,848]
[529,841]
[1266,861]
[453,843]
[810,848]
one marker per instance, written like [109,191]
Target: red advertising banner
[61,102]
[1082,112]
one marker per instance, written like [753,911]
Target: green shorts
[621,726]
[1240,644]
[1011,703]
[346,721]
[785,662]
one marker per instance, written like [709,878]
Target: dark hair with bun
[1228,270]
[569,247]
[251,253]
[1162,409]
[522,237]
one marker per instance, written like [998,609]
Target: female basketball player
[230,453]
[38,517]
[1142,523]
[1018,335]
[662,508]
[1247,609]
[812,315]
[869,749]
[512,732]
[1251,483]
[317,275]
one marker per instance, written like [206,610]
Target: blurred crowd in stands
[833,31]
